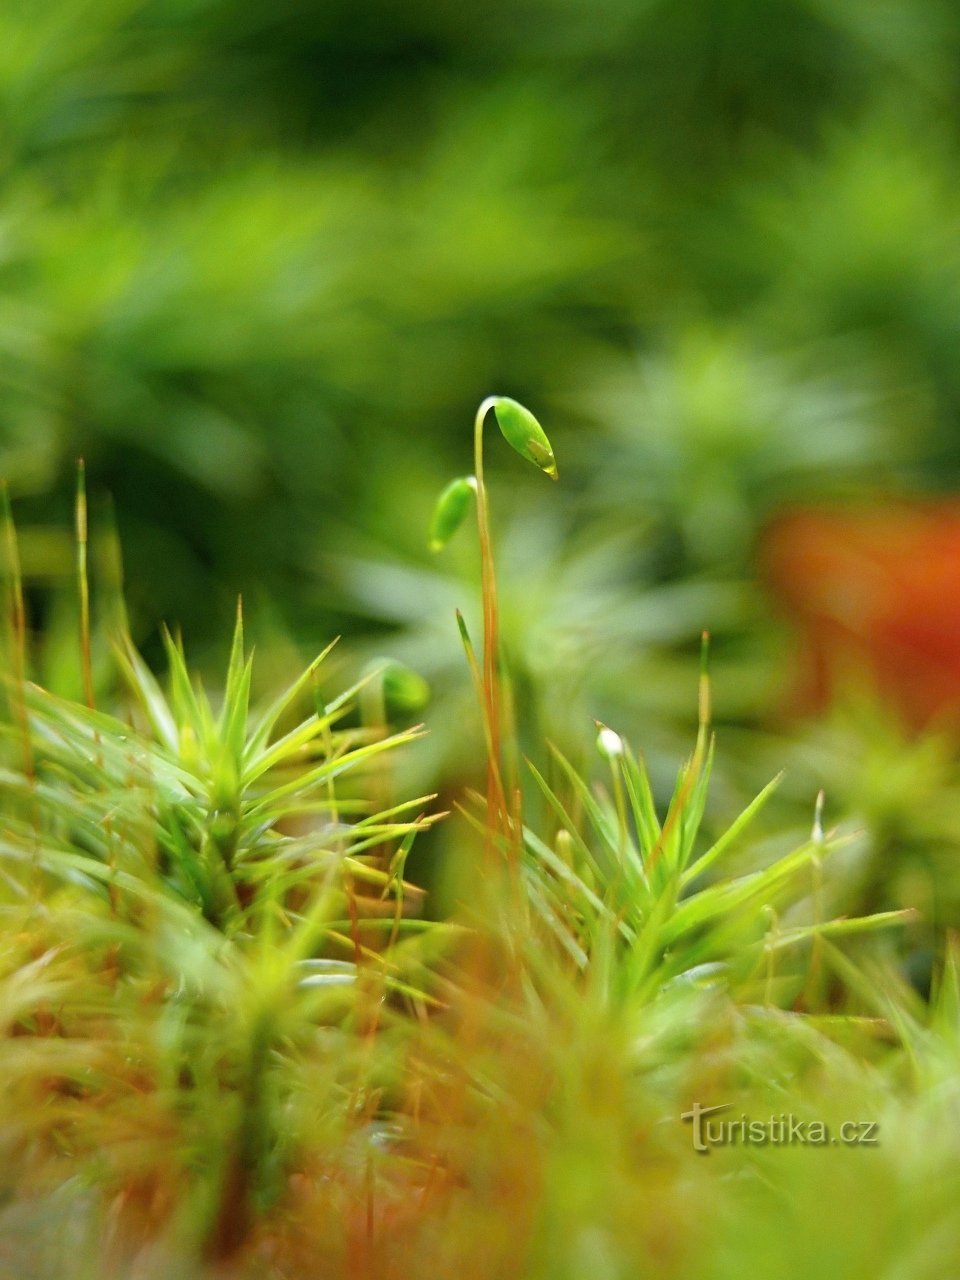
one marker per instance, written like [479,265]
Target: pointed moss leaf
[521,430]
[451,508]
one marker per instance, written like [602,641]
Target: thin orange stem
[477,677]
[18,622]
[498,816]
[84,584]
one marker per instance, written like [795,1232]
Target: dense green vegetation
[292,985]
[235,1044]
[259,263]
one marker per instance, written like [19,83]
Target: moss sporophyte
[523,433]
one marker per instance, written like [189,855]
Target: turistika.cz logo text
[712,1129]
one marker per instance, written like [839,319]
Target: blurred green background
[260,262]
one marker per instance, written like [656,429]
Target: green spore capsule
[403,689]
[451,508]
[521,430]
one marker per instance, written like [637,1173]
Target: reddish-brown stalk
[498,816]
[83,584]
[18,622]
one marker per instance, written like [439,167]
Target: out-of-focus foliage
[233,1046]
[259,262]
